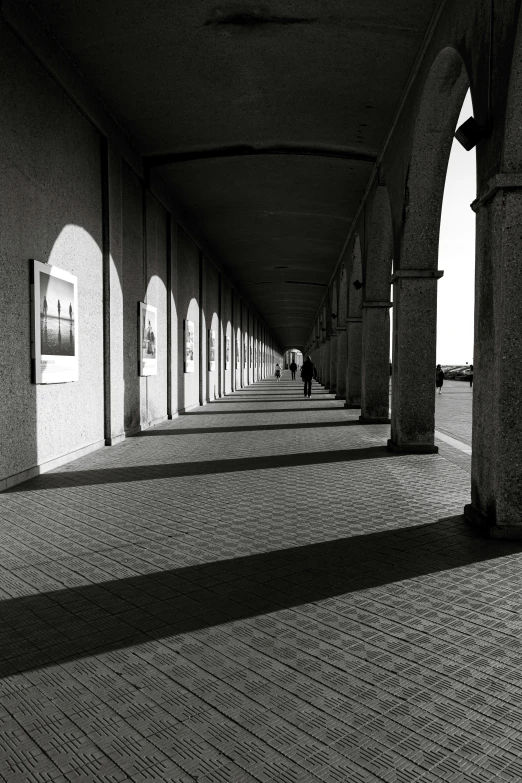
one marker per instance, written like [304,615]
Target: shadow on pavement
[255,428]
[75,478]
[68,624]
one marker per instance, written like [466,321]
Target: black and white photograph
[147,339]
[54,316]
[293,554]
[211,350]
[188,327]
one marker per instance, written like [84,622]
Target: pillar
[326,370]
[353,362]
[322,353]
[333,362]
[496,463]
[341,363]
[112,294]
[375,365]
[414,360]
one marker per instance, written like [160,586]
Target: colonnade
[390,265]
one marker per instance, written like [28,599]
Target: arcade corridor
[204,576]
[259,591]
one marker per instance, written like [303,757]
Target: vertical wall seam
[201,318]
[168,244]
[106,289]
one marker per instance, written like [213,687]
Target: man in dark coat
[293,370]
[307,373]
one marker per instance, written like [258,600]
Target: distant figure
[308,372]
[45,306]
[293,370]
[439,378]
[70,310]
[59,308]
[278,372]
[471,376]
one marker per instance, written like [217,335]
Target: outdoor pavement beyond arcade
[260,591]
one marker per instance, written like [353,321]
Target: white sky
[456,289]
[456,295]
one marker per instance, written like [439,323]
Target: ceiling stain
[254,18]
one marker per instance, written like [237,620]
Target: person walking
[307,373]
[470,376]
[45,306]
[70,311]
[278,372]
[293,370]
[439,378]
[59,309]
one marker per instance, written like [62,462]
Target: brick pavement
[257,591]
[453,409]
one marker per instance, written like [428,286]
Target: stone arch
[415,266]
[355,293]
[439,107]
[334,309]
[342,313]
[512,147]
[379,256]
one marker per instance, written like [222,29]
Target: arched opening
[376,332]
[416,255]
[342,314]
[354,328]
[456,295]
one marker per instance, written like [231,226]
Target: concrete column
[333,362]
[414,360]
[353,362]
[496,463]
[322,352]
[375,372]
[327,353]
[341,363]
[112,294]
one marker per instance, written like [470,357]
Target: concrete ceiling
[264,119]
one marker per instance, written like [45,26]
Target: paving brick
[259,591]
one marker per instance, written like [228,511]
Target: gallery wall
[212,321]
[188,310]
[227,328]
[155,294]
[75,197]
[50,210]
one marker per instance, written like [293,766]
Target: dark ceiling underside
[264,120]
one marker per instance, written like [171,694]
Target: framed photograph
[227,352]
[189,345]
[211,350]
[54,328]
[147,339]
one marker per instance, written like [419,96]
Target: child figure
[278,372]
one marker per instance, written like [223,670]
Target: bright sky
[457,255]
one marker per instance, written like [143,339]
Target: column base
[352,407]
[412,448]
[485,523]
[374,420]
[115,439]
